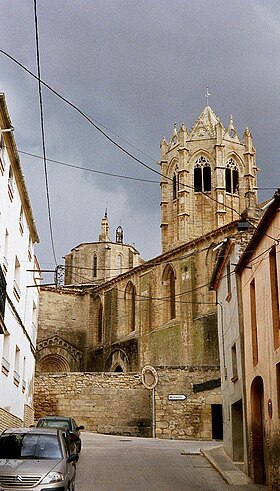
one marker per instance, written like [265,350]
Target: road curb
[223,464]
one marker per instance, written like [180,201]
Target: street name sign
[177,397]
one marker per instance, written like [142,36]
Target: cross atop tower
[207,96]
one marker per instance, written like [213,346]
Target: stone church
[118,313]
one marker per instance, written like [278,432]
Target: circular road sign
[149,377]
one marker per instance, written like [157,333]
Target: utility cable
[110,174]
[42,129]
[66,164]
[113,141]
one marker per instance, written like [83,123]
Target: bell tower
[208,179]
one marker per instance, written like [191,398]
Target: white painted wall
[17,344]
[229,336]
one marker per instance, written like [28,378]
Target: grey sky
[136,67]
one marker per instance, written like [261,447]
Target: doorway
[217,421]
[257,443]
[237,431]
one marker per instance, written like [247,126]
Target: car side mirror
[81,428]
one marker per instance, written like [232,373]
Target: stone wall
[113,403]
[8,420]
[28,415]
[190,418]
[118,403]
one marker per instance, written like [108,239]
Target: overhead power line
[109,174]
[74,166]
[91,121]
[42,129]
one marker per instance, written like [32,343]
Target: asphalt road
[115,463]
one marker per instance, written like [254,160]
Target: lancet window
[168,281]
[231,177]
[202,175]
[175,183]
[94,266]
[130,293]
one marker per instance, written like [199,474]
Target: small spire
[104,236]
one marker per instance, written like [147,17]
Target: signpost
[149,380]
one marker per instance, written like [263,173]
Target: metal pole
[153,414]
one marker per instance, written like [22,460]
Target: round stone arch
[118,361]
[53,363]
[63,355]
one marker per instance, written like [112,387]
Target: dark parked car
[63,422]
[36,459]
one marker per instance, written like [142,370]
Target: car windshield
[28,446]
[54,423]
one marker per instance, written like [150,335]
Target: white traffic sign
[177,397]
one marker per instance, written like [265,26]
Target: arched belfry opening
[119,235]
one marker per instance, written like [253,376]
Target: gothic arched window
[168,280]
[100,323]
[202,175]
[129,296]
[98,319]
[175,180]
[94,266]
[231,177]
[119,263]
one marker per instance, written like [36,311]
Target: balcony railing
[30,253]
[5,265]
[3,286]
[2,164]
[17,291]
[16,378]
[21,225]
[5,366]
[11,188]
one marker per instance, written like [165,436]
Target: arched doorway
[117,362]
[257,432]
[53,363]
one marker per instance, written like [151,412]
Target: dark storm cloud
[135,67]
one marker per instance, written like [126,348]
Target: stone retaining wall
[114,403]
[118,403]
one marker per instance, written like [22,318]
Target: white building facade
[19,284]
[231,344]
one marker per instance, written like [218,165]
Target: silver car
[36,459]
